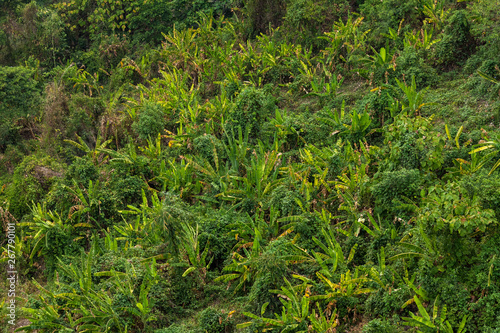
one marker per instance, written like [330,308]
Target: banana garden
[251,165]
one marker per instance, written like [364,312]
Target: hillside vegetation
[251,166]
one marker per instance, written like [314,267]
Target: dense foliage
[251,166]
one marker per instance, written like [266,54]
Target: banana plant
[356,124]
[307,71]
[182,51]
[463,167]
[88,203]
[192,247]
[243,268]
[378,229]
[110,242]
[410,282]
[237,148]
[153,150]
[295,311]
[179,177]
[144,228]
[325,90]
[260,179]
[324,321]
[127,155]
[381,60]
[332,254]
[414,98]
[351,188]
[79,306]
[98,314]
[420,40]
[284,128]
[492,79]
[435,13]
[491,144]
[43,224]
[123,283]
[143,67]
[216,111]
[93,153]
[346,40]
[437,323]
[319,159]
[429,251]
[87,81]
[358,128]
[349,285]
[255,60]
[49,315]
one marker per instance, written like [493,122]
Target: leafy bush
[410,64]
[380,16]
[486,188]
[392,186]
[262,14]
[151,121]
[250,110]
[382,304]
[84,116]
[156,17]
[33,179]
[82,170]
[305,20]
[457,43]
[38,33]
[215,321]
[412,141]
[205,145]
[378,326]
[19,99]
[447,210]
[377,103]
[216,229]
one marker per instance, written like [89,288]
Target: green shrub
[82,170]
[215,229]
[392,186]
[486,188]
[19,99]
[305,20]
[378,326]
[215,321]
[151,121]
[262,14]
[411,64]
[457,43]
[11,158]
[172,329]
[33,179]
[157,17]
[205,145]
[285,200]
[448,211]
[481,87]
[37,32]
[485,27]
[250,110]
[382,15]
[412,142]
[84,116]
[377,103]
